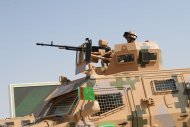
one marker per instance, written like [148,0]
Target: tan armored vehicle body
[130,89]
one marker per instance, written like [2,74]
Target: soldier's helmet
[130,36]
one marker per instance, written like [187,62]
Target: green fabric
[86,93]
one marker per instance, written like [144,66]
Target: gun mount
[86,53]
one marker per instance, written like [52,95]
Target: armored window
[165,85]
[125,58]
[109,102]
[147,56]
[64,104]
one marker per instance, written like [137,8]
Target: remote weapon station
[128,89]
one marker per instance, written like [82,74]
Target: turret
[133,56]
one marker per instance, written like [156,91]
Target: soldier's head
[130,36]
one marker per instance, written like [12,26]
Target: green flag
[86,93]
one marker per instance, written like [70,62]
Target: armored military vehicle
[128,89]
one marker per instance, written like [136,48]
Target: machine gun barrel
[93,48]
[61,46]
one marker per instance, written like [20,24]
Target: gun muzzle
[39,44]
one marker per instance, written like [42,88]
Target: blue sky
[69,22]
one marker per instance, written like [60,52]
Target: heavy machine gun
[61,46]
[86,45]
[85,53]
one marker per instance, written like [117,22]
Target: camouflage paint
[129,81]
[137,117]
[181,95]
[140,119]
[144,48]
